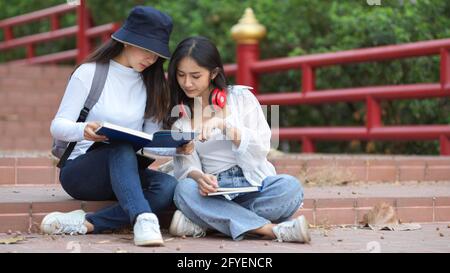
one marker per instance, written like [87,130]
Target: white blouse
[251,155]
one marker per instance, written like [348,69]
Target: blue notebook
[139,140]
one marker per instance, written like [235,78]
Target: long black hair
[206,55]
[158,95]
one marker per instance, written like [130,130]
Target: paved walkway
[431,238]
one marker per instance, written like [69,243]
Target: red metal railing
[249,67]
[83,32]
[372,95]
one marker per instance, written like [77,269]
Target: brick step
[26,143]
[20,169]
[22,208]
[37,170]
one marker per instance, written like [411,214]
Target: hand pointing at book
[89,132]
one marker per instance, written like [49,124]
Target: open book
[225,191]
[139,140]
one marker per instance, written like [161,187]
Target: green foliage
[300,27]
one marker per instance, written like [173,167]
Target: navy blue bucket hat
[146,28]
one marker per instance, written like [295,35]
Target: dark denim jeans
[111,173]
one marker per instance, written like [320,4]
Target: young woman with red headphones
[232,152]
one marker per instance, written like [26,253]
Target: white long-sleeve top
[216,155]
[122,102]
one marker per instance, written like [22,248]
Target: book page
[127,130]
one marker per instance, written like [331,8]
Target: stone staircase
[339,189]
[29,188]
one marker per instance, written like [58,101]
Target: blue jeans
[111,173]
[278,200]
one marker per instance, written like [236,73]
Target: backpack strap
[98,82]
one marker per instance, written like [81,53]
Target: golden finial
[248,30]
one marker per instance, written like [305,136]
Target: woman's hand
[206,183]
[209,126]
[89,132]
[186,149]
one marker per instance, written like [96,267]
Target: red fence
[372,95]
[83,32]
[249,67]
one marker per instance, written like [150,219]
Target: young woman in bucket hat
[135,96]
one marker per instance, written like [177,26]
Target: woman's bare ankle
[89,226]
[265,231]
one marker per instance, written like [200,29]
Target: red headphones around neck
[217,100]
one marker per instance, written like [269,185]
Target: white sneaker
[64,223]
[146,230]
[296,230]
[181,225]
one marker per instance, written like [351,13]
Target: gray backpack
[62,149]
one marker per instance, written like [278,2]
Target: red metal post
[445,69]
[30,51]
[308,145]
[308,84]
[247,33]
[247,54]
[373,115]
[308,78]
[8,33]
[82,39]
[54,22]
[444,145]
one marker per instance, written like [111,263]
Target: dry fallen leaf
[381,214]
[11,240]
[383,217]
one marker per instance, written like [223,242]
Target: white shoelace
[71,226]
[195,229]
[286,232]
